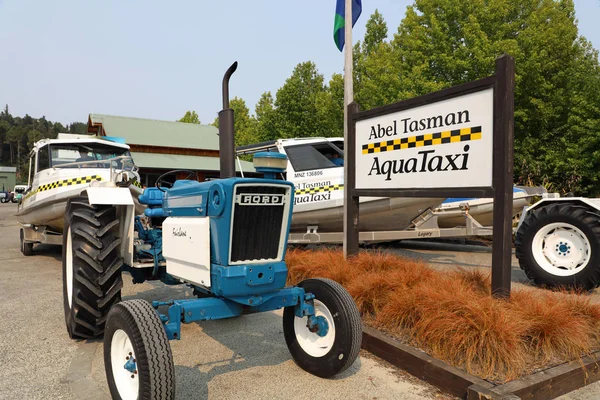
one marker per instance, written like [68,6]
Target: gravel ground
[239,358]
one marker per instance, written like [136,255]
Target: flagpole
[348,97]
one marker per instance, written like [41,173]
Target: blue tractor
[226,239]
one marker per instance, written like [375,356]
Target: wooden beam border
[548,384]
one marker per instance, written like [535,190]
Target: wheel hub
[121,353]
[130,364]
[316,337]
[561,249]
[318,324]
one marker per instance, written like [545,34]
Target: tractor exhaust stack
[226,131]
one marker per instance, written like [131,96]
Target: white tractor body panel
[109,195]
[186,247]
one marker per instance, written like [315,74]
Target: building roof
[152,132]
[8,169]
[175,161]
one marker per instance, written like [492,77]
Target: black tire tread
[353,315]
[327,366]
[527,231]
[151,344]
[97,264]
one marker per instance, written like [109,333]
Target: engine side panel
[186,247]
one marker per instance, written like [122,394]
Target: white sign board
[439,145]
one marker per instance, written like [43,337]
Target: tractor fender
[123,201]
[593,204]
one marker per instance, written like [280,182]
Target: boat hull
[450,214]
[376,214]
[51,211]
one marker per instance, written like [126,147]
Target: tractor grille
[258,218]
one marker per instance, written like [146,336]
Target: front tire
[137,354]
[328,355]
[558,246]
[91,263]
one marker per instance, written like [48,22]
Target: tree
[296,103]
[330,106]
[244,125]
[266,117]
[444,42]
[190,117]
[79,128]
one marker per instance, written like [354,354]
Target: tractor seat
[152,197]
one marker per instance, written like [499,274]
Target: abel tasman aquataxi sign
[457,142]
[433,146]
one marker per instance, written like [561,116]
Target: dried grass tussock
[451,315]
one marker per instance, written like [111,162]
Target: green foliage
[244,126]
[190,117]
[18,134]
[296,103]
[441,43]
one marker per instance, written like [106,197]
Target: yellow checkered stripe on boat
[430,139]
[319,189]
[65,182]
[69,182]
[137,183]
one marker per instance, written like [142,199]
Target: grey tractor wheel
[91,263]
[26,247]
[327,355]
[558,246]
[137,355]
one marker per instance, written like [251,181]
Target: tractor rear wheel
[137,355]
[327,353]
[91,263]
[558,245]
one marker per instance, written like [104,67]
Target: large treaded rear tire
[92,263]
[337,351]
[152,376]
[553,221]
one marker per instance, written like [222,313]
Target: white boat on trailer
[63,168]
[315,167]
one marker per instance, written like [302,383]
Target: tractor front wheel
[331,351]
[91,263]
[137,355]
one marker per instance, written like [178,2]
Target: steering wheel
[175,171]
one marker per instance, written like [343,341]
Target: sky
[64,59]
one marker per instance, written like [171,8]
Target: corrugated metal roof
[175,161]
[8,169]
[154,132]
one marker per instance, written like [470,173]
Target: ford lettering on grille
[256,199]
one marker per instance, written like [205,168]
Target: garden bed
[451,316]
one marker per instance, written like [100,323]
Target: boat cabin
[49,155]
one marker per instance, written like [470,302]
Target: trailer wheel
[137,354]
[327,355]
[91,263]
[558,245]
[26,247]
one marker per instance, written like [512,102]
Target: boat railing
[125,161]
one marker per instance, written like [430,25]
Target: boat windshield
[89,155]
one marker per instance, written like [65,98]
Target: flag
[340,20]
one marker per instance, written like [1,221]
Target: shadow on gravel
[254,340]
